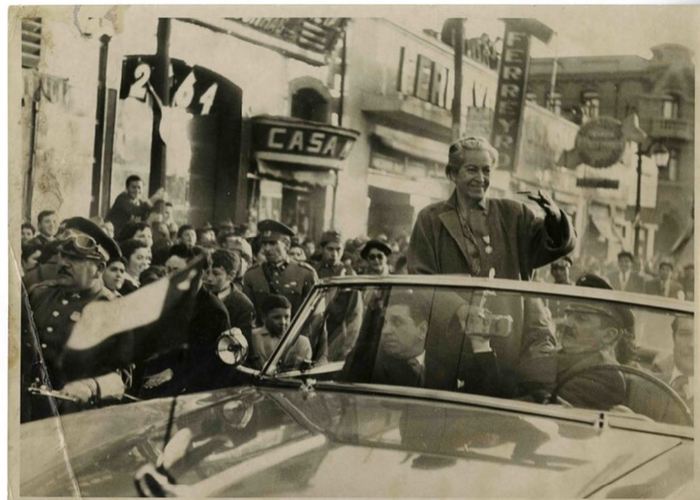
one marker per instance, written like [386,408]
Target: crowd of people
[257,280]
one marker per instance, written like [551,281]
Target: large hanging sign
[512,86]
[600,143]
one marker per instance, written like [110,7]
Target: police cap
[376,244]
[271,230]
[331,236]
[84,239]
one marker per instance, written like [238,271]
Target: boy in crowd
[277,313]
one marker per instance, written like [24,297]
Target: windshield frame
[270,373]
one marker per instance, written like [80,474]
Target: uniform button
[55,314]
[49,329]
[64,302]
[44,346]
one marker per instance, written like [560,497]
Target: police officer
[56,305]
[278,274]
[331,263]
[376,253]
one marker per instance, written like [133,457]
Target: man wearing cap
[331,263]
[626,278]
[472,234]
[278,274]
[664,284]
[376,253]
[588,336]
[56,305]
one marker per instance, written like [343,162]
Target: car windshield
[572,351]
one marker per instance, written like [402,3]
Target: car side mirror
[232,347]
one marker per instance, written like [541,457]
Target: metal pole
[343,68]
[99,126]
[458,46]
[161,84]
[638,204]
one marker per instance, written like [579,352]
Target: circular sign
[600,142]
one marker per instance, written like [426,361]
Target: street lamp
[661,155]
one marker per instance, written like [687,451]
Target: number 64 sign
[184,95]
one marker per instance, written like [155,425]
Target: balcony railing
[674,128]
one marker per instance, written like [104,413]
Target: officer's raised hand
[550,208]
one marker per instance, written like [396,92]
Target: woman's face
[113,275]
[139,261]
[145,235]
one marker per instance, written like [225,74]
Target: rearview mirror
[232,347]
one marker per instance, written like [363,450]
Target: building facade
[661,91]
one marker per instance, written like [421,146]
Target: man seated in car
[588,335]
[678,369]
[401,353]
[276,314]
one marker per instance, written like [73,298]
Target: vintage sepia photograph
[352,251]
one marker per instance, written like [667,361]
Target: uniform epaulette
[306,265]
[37,287]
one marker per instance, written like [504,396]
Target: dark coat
[241,312]
[656,287]
[521,241]
[125,210]
[635,283]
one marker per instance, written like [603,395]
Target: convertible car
[416,386]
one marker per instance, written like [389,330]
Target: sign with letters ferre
[512,86]
[298,141]
[600,143]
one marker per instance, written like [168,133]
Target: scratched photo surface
[186,183]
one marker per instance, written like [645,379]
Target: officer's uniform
[46,328]
[330,270]
[294,280]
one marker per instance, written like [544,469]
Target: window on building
[670,171]
[590,104]
[670,107]
[31,42]
[309,104]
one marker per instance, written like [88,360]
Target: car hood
[256,441]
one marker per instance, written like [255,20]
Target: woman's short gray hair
[459,147]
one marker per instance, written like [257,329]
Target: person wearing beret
[473,234]
[278,274]
[376,253]
[331,263]
[56,305]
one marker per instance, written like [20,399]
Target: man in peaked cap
[331,263]
[278,274]
[56,305]
[376,253]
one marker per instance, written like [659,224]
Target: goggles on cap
[81,245]
[588,309]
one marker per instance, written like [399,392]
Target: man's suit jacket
[656,287]
[635,283]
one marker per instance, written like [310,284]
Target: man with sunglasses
[472,234]
[56,305]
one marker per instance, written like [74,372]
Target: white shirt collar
[689,390]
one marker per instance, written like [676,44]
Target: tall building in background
[661,91]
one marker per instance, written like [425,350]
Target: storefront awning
[604,226]
[291,173]
[413,145]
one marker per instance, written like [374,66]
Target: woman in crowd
[138,258]
[114,275]
[138,231]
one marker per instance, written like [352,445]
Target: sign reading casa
[301,139]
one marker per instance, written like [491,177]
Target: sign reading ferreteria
[600,143]
[298,141]
[512,86]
